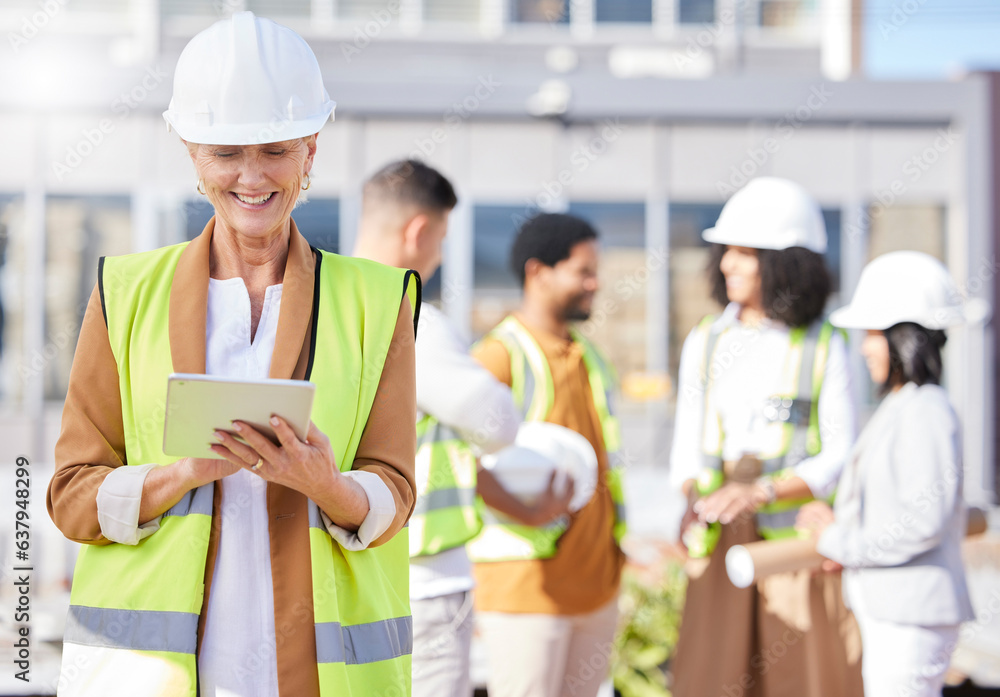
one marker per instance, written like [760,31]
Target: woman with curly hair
[764,423]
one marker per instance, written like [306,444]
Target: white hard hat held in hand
[770,213]
[247,80]
[907,286]
[524,468]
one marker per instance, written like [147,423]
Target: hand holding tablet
[198,405]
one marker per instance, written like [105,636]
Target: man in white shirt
[462,411]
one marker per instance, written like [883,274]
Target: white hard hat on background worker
[247,81]
[907,286]
[770,213]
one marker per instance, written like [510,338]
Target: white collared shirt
[237,655]
[751,362]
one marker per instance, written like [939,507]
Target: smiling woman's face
[253,188]
[741,268]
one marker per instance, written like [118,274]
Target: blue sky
[930,39]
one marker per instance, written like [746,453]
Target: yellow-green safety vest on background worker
[133,617]
[793,411]
[534,394]
[444,515]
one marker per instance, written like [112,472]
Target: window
[196,7]
[362,9]
[318,220]
[918,227]
[79,230]
[497,291]
[280,8]
[430,289]
[696,11]
[540,11]
[689,255]
[780,13]
[618,224]
[493,230]
[12,363]
[831,217]
[197,213]
[451,11]
[618,317]
[624,11]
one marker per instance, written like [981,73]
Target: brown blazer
[92,440]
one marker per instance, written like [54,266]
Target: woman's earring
[201,188]
[306,182]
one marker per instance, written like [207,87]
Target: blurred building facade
[640,115]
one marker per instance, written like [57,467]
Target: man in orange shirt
[547,588]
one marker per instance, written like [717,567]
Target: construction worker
[273,569]
[462,410]
[547,589]
[900,519]
[764,423]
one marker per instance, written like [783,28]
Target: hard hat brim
[251,133]
[716,236]
[851,317]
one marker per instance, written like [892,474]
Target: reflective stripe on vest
[197,501]
[139,630]
[384,640]
[134,613]
[534,394]
[794,410]
[444,515]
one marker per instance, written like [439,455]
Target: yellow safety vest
[133,618]
[444,515]
[534,394]
[793,411]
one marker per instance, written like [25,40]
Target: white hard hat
[247,80]
[907,287]
[524,468]
[770,213]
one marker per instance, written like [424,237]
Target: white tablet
[200,405]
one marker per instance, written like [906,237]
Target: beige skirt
[790,635]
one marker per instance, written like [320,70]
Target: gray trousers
[442,637]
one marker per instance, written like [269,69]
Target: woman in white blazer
[899,519]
